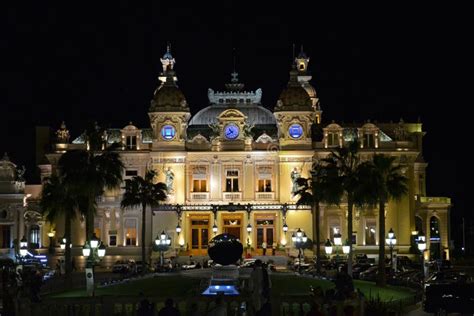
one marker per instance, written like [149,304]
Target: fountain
[225,250]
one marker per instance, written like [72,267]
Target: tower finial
[168,47]
[302,48]
[233,56]
[293,52]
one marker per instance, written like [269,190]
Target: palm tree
[346,161]
[87,174]
[55,202]
[142,192]
[319,190]
[384,181]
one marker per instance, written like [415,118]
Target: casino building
[231,168]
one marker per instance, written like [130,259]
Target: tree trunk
[350,206]
[143,238]
[67,256]
[318,238]
[90,220]
[381,280]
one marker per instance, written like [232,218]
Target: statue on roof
[20,174]
[62,134]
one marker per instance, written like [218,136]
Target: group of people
[259,287]
[265,246]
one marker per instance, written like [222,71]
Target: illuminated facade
[233,166]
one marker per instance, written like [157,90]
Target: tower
[167,62]
[304,76]
[294,114]
[169,114]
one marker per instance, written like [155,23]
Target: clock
[168,132]
[231,131]
[295,131]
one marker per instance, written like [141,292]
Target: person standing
[264,248]
[274,247]
[259,286]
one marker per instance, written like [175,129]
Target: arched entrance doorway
[435,239]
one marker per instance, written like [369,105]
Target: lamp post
[162,243]
[51,245]
[299,239]
[346,248]
[421,241]
[337,242]
[94,251]
[391,241]
[328,248]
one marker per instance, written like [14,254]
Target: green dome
[168,97]
[294,97]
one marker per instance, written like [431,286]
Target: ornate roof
[169,98]
[256,114]
[294,97]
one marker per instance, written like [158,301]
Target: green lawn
[179,286]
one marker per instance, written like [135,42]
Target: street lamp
[51,245]
[94,251]
[285,228]
[346,248]
[178,229]
[299,239]
[337,242]
[391,241]
[214,228]
[249,228]
[328,248]
[62,244]
[422,247]
[162,243]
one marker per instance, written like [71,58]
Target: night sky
[101,63]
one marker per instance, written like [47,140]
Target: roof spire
[233,56]
[293,52]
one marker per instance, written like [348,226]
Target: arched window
[35,236]
[418,224]
[435,239]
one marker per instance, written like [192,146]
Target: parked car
[360,267]
[371,273]
[448,292]
[120,266]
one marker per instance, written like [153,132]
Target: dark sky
[101,62]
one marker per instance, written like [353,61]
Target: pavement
[419,312]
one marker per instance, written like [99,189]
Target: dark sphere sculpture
[225,249]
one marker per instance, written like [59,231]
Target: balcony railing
[264,196]
[232,196]
[199,196]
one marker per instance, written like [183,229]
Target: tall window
[35,236]
[370,229]
[199,185]
[5,236]
[333,139]
[334,227]
[232,181]
[130,231]
[265,185]
[369,140]
[131,142]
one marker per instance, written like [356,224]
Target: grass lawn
[179,286]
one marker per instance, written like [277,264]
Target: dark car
[360,267]
[448,292]
[120,266]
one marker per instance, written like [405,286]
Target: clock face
[295,131]
[168,132]
[231,131]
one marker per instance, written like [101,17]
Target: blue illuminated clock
[231,131]
[168,132]
[295,131]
